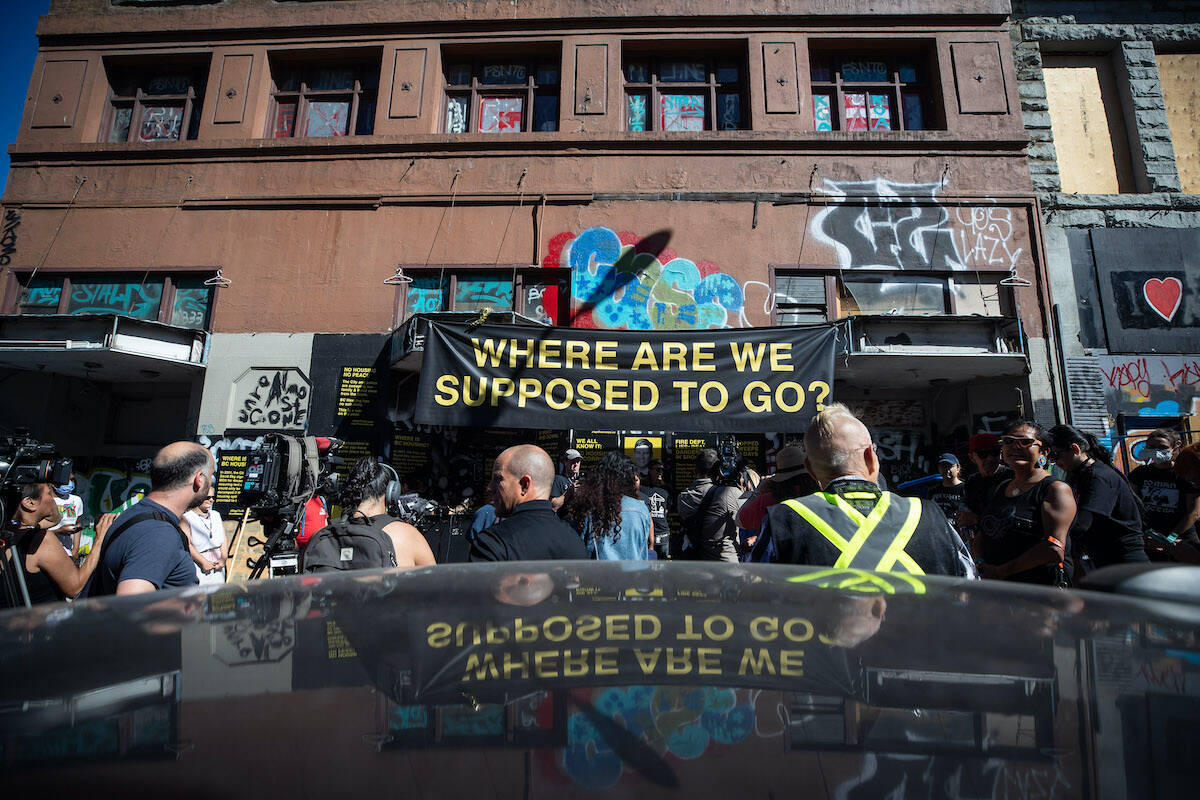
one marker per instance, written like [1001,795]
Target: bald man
[529,529]
[852,523]
[145,550]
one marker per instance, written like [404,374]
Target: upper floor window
[684,93]
[321,100]
[856,91]
[181,300]
[159,104]
[535,293]
[1088,124]
[922,295]
[501,95]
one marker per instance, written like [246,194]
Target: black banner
[459,650]
[746,380]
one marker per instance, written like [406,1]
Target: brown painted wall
[90,16]
[308,228]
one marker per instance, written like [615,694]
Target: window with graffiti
[177,300]
[501,94]
[159,103]
[864,91]
[537,294]
[324,99]
[685,93]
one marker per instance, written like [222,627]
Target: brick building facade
[596,165]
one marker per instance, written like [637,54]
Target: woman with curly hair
[604,508]
[363,499]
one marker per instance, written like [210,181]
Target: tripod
[280,553]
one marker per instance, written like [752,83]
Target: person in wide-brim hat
[789,470]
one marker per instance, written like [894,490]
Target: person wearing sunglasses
[1022,532]
[984,449]
[1171,505]
[1108,526]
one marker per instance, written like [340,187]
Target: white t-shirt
[208,537]
[71,510]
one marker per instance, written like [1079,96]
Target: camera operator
[709,507]
[364,497]
[147,550]
[50,574]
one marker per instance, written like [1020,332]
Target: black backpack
[355,542]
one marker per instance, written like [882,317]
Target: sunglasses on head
[1017,441]
[989,453]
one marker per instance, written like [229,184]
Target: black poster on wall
[351,388]
[1149,282]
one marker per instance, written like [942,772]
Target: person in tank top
[1022,534]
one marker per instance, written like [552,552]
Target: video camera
[283,472]
[23,460]
[732,466]
[282,475]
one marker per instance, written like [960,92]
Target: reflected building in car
[644,681]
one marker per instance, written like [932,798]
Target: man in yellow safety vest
[853,524]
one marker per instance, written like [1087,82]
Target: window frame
[710,87]
[835,280]
[926,87]
[359,94]
[476,90]
[192,100]
[169,280]
[524,276]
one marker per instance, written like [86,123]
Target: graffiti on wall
[8,235]
[270,398]
[105,486]
[622,280]
[215,445]
[1151,385]
[884,224]
[901,454]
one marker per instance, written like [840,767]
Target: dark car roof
[560,679]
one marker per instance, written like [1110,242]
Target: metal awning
[891,351]
[407,344]
[102,347]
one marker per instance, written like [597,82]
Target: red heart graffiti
[1163,296]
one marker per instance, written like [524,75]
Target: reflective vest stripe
[893,557]
[812,519]
[866,528]
[895,552]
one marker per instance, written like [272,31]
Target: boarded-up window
[1089,130]
[1180,76]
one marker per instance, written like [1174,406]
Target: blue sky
[18,46]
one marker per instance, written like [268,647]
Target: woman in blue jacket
[605,509]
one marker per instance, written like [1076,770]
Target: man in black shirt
[564,481]
[529,530]
[1172,505]
[949,493]
[978,489]
[657,498]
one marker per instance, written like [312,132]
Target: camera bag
[350,543]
